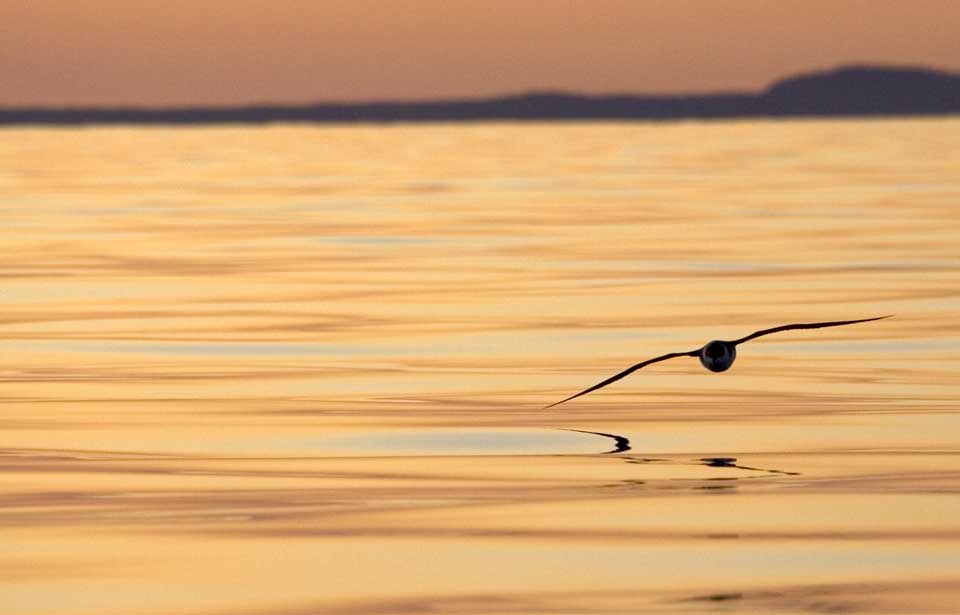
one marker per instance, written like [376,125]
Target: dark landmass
[846,91]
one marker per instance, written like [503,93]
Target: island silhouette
[865,90]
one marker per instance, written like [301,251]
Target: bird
[716,355]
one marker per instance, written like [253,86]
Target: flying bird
[718,355]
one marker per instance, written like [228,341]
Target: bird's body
[718,355]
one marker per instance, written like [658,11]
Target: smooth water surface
[294,370]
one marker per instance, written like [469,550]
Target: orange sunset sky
[174,52]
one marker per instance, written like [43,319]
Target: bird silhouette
[716,356]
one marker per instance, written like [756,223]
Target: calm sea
[295,370]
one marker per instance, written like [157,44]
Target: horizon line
[526,94]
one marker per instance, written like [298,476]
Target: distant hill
[865,90]
[846,91]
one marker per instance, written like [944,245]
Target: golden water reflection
[302,369]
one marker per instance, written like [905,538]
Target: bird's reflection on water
[622,445]
[731,462]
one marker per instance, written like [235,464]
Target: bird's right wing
[627,372]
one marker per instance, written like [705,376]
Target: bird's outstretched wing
[627,372]
[812,325]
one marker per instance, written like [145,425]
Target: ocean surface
[299,370]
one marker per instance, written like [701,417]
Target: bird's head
[718,356]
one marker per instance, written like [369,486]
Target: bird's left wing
[627,372]
[812,325]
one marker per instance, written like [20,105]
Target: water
[294,370]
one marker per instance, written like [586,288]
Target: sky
[232,52]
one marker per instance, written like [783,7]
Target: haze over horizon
[213,52]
